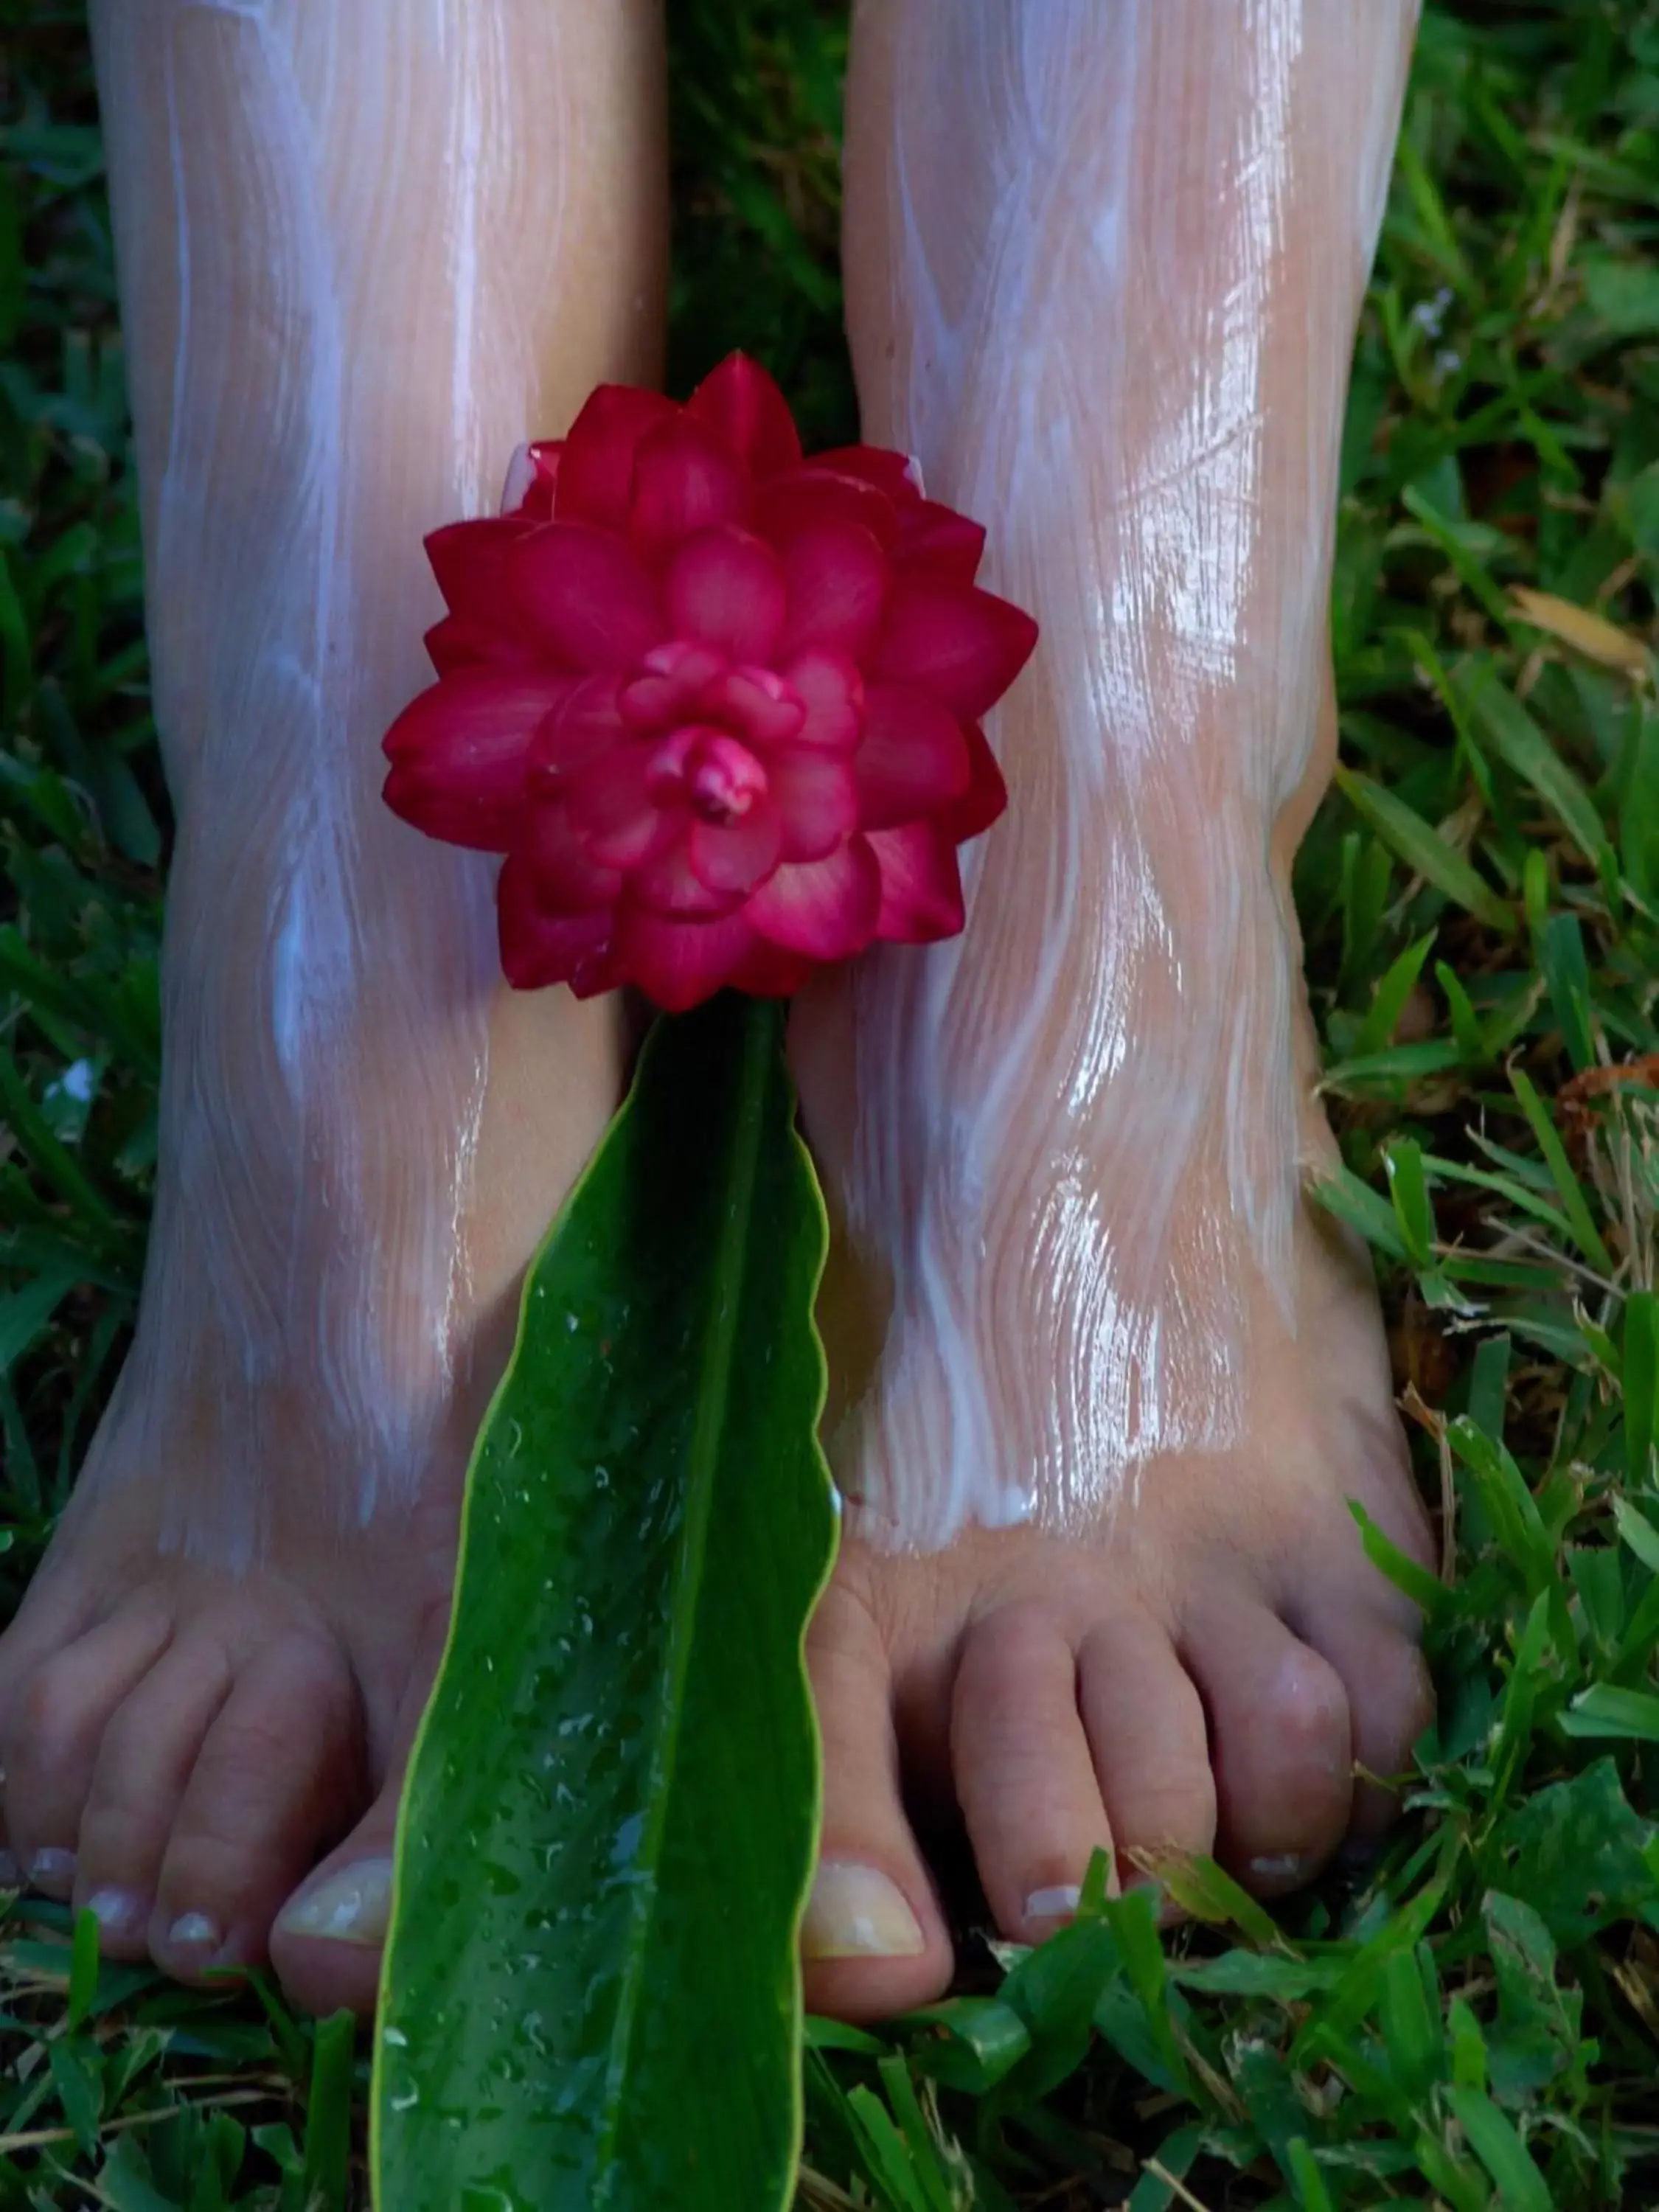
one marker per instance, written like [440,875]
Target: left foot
[1110,1380]
[1213,1666]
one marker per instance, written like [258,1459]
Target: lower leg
[349,241]
[1103,278]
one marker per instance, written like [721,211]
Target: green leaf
[1574,1204]
[1206,1891]
[1522,746]
[328,2114]
[1377,1030]
[1422,849]
[1309,2182]
[1472,1047]
[1624,295]
[1574,1850]
[83,1970]
[1641,1381]
[1567,973]
[969,2043]
[1494,2142]
[1604,1709]
[1423,1588]
[1342,1193]
[1402,1161]
[592,1994]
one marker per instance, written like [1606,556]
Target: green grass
[1477,2021]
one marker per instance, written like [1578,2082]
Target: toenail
[118,1912]
[858,1912]
[51,1869]
[351,1905]
[194,1932]
[1284,1866]
[1057,1904]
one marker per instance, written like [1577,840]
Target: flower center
[722,777]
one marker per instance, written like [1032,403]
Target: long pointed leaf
[592,1995]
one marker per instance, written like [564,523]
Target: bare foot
[1108,1382]
[183,1738]
[347,240]
[1212,1667]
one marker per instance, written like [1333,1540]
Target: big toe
[328,1939]
[873,1941]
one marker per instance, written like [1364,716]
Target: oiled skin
[1105,286]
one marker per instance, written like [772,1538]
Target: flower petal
[962,644]
[740,401]
[596,470]
[731,858]
[671,683]
[896,474]
[612,811]
[469,560]
[837,578]
[686,479]
[550,856]
[539,949]
[668,885]
[816,799]
[678,965]
[790,504]
[937,541]
[727,588]
[589,721]
[826,908]
[767,971]
[585,596]
[460,753]
[986,797]
[755,703]
[913,761]
[457,642]
[532,478]
[920,885]
[831,689]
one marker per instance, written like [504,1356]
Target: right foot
[183,1742]
[341,314]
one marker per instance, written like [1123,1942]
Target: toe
[1390,1695]
[277,1770]
[1024,1775]
[143,1765]
[1280,1743]
[873,1941]
[53,1727]
[1145,1726]
[328,1939]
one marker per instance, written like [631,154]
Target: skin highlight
[1073,1142]
[346,196]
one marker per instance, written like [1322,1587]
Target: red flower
[717,705]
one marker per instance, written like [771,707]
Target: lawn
[1473,2019]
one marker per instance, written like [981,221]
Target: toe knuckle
[48,1718]
[1008,1643]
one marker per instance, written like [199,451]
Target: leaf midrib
[713,1395]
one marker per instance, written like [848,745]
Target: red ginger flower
[717,705]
